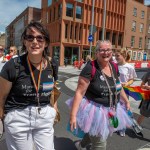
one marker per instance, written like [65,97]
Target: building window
[134,11]
[140,42]
[25,17]
[134,56]
[134,26]
[120,39]
[79,12]
[69,10]
[139,56]
[114,39]
[107,35]
[132,41]
[66,30]
[49,2]
[142,14]
[59,11]
[141,27]
[148,43]
[149,28]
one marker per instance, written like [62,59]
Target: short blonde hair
[124,52]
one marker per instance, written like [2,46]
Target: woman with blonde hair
[127,72]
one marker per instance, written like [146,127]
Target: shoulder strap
[116,66]
[93,70]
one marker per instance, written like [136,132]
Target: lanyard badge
[36,86]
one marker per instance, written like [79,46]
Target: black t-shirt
[23,92]
[97,90]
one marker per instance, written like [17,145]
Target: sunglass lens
[40,38]
[29,38]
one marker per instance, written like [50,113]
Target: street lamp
[91,32]
[104,19]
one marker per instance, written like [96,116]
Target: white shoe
[78,146]
[122,133]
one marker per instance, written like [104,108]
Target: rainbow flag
[137,92]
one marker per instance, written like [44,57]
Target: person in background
[88,58]
[1,53]
[145,85]
[13,51]
[127,72]
[95,108]
[25,99]
[2,57]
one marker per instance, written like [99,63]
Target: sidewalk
[71,83]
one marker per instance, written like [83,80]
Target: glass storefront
[71,54]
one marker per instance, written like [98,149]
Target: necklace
[110,92]
[113,120]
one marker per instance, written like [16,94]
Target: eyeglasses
[105,50]
[30,38]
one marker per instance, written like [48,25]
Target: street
[64,140]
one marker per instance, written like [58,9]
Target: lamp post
[93,4]
[104,19]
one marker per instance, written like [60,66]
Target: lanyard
[36,86]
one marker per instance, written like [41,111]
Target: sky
[10,9]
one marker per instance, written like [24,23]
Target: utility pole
[104,19]
[91,32]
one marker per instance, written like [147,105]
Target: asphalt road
[64,140]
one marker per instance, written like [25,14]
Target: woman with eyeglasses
[25,99]
[95,108]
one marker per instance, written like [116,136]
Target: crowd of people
[99,107]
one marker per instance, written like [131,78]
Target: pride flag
[137,92]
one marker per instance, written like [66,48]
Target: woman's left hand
[128,105]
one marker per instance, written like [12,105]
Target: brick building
[2,39]
[69,21]
[147,37]
[135,28]
[16,27]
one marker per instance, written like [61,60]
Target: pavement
[71,83]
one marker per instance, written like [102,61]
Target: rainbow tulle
[137,92]
[93,118]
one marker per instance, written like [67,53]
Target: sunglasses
[31,38]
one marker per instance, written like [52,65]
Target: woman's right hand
[73,122]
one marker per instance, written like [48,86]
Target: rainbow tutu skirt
[93,118]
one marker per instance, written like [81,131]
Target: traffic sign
[90,38]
